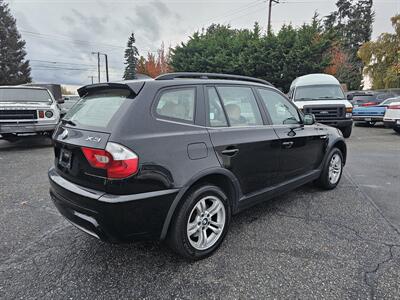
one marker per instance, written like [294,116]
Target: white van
[322,95]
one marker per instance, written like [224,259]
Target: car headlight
[49,114]
[349,115]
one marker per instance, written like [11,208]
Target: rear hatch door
[89,124]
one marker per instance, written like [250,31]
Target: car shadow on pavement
[26,143]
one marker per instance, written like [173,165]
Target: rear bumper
[340,123]
[391,123]
[368,118]
[26,128]
[111,218]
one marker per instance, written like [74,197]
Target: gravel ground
[308,243]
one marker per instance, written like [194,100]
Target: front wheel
[332,171]
[346,131]
[201,223]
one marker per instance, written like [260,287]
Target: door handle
[230,152]
[287,144]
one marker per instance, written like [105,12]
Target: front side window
[177,104]
[240,106]
[279,109]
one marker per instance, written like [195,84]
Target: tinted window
[24,95]
[96,110]
[240,106]
[320,92]
[216,113]
[280,110]
[177,104]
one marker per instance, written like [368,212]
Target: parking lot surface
[308,243]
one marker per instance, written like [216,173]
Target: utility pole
[98,64]
[105,55]
[269,15]
[91,77]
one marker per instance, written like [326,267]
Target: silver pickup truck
[26,110]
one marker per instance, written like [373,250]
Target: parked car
[69,102]
[368,98]
[174,158]
[322,95]
[26,110]
[372,114]
[392,116]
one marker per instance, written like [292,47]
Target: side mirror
[349,97]
[309,119]
[60,101]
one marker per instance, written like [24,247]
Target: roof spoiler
[135,87]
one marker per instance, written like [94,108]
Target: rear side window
[177,104]
[97,109]
[240,106]
[279,109]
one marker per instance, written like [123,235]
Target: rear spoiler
[134,86]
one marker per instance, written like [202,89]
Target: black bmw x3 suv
[174,158]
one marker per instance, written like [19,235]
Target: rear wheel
[332,171]
[201,223]
[346,131]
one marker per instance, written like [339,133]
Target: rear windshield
[318,92]
[96,110]
[365,98]
[24,95]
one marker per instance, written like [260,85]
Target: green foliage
[382,58]
[278,58]
[14,69]
[131,59]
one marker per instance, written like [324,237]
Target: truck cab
[322,95]
[27,110]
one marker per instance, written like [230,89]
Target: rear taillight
[396,106]
[368,104]
[117,160]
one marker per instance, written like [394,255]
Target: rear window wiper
[69,122]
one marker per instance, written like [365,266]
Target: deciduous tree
[382,58]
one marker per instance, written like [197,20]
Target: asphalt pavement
[307,244]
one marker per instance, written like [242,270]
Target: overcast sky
[60,35]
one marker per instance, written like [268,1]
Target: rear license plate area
[65,158]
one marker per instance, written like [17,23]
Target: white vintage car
[392,116]
[26,110]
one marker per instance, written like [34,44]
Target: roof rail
[169,76]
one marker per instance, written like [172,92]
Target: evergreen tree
[131,59]
[14,69]
[351,25]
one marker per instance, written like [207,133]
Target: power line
[64,38]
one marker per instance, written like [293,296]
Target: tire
[325,180]
[370,124]
[346,131]
[9,137]
[397,129]
[189,246]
